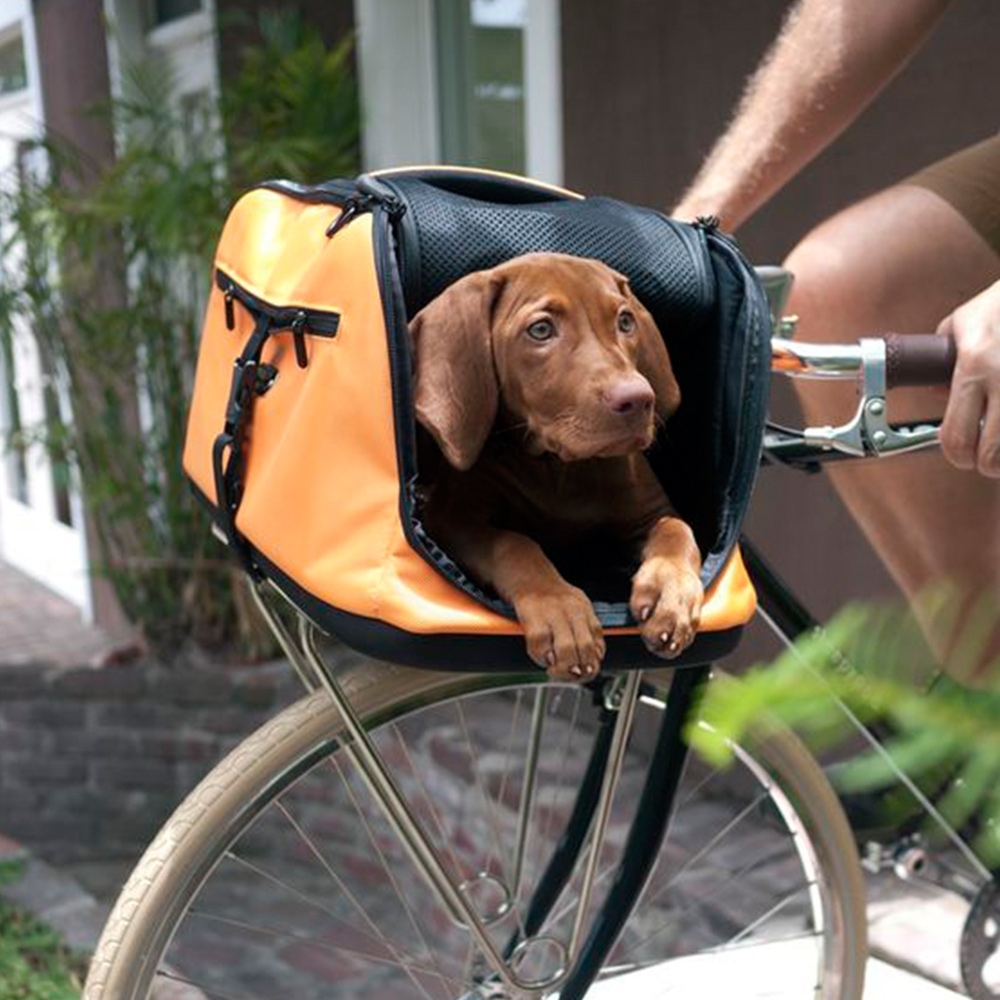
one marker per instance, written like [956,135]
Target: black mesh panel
[445,236]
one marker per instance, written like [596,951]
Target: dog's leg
[666,591]
[561,629]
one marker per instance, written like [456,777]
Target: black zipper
[695,236]
[755,366]
[299,321]
[400,365]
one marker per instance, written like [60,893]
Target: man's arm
[830,60]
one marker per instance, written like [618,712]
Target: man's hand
[970,434]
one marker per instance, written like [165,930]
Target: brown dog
[542,381]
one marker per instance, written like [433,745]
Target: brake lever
[869,431]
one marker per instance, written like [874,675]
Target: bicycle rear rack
[578,961]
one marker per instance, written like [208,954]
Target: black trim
[396,260]
[465,653]
[476,653]
[401,379]
[754,316]
[335,192]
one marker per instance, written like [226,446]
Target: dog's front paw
[666,602]
[562,632]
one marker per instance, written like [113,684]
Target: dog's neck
[509,448]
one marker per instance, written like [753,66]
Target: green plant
[292,112]
[34,963]
[862,661]
[108,266]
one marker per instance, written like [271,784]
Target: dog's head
[560,343]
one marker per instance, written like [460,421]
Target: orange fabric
[322,495]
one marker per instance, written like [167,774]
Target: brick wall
[92,761]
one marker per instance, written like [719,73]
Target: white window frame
[31,536]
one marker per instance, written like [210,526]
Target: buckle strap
[227,450]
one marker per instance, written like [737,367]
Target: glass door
[481,81]
[499,85]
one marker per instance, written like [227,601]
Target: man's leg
[900,262]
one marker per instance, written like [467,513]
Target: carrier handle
[483,185]
[919,359]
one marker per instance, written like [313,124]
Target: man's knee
[827,281]
[849,268]
[900,260]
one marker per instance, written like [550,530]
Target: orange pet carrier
[301,435]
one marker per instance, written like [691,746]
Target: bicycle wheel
[279,877]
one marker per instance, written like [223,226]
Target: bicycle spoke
[559,785]
[689,972]
[408,964]
[487,800]
[784,939]
[432,810]
[351,897]
[206,994]
[509,752]
[764,917]
[313,944]
[493,821]
[285,887]
[703,898]
[400,895]
[716,840]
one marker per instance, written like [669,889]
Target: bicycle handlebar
[907,359]
[876,364]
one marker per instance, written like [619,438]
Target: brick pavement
[38,626]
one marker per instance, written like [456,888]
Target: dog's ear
[456,392]
[652,358]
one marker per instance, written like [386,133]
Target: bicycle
[444,835]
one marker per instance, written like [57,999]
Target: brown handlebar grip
[918,359]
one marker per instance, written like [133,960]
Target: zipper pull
[370,193]
[230,312]
[710,223]
[355,203]
[299,327]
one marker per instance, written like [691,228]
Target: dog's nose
[632,395]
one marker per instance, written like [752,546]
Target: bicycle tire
[135,958]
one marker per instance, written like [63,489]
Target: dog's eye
[543,329]
[626,322]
